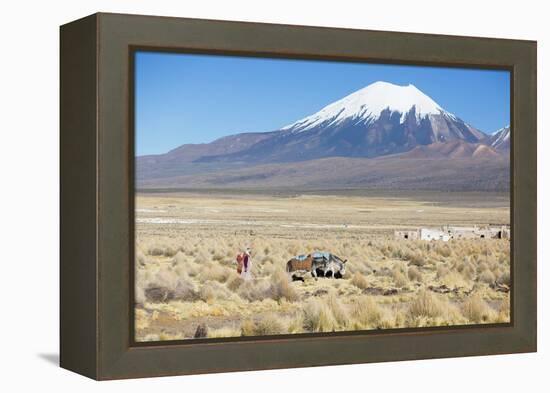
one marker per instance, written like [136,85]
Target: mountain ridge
[379,123]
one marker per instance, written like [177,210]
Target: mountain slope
[382,136]
[179,160]
[395,172]
[379,119]
[500,140]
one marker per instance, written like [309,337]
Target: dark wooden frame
[97,196]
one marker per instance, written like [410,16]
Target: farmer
[243,263]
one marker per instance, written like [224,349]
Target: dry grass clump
[234,281]
[359,280]
[504,278]
[367,314]
[443,249]
[481,267]
[166,248]
[487,277]
[317,317]
[503,311]
[269,325]
[141,259]
[454,279]
[416,258]
[426,305]
[277,287]
[338,309]
[214,272]
[213,290]
[414,274]
[281,287]
[442,271]
[466,269]
[477,310]
[253,290]
[165,285]
[399,278]
[226,331]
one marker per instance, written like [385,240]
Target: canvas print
[285,196]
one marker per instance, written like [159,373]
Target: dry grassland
[187,285]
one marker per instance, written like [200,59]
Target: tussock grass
[504,278]
[213,290]
[487,277]
[226,331]
[477,310]
[359,280]
[426,305]
[186,275]
[269,325]
[414,274]
[367,314]
[281,287]
[317,317]
[399,278]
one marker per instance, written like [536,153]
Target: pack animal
[318,264]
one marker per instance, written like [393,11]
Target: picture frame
[97,196]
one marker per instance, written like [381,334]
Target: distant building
[434,234]
[406,235]
[447,233]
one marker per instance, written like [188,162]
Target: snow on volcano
[367,104]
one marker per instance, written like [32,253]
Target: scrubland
[187,285]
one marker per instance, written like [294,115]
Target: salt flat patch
[150,211]
[197,221]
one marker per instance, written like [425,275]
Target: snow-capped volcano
[366,106]
[379,119]
[383,135]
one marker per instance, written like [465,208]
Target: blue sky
[188,98]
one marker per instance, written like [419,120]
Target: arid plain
[187,284]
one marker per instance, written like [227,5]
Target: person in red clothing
[244,262]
